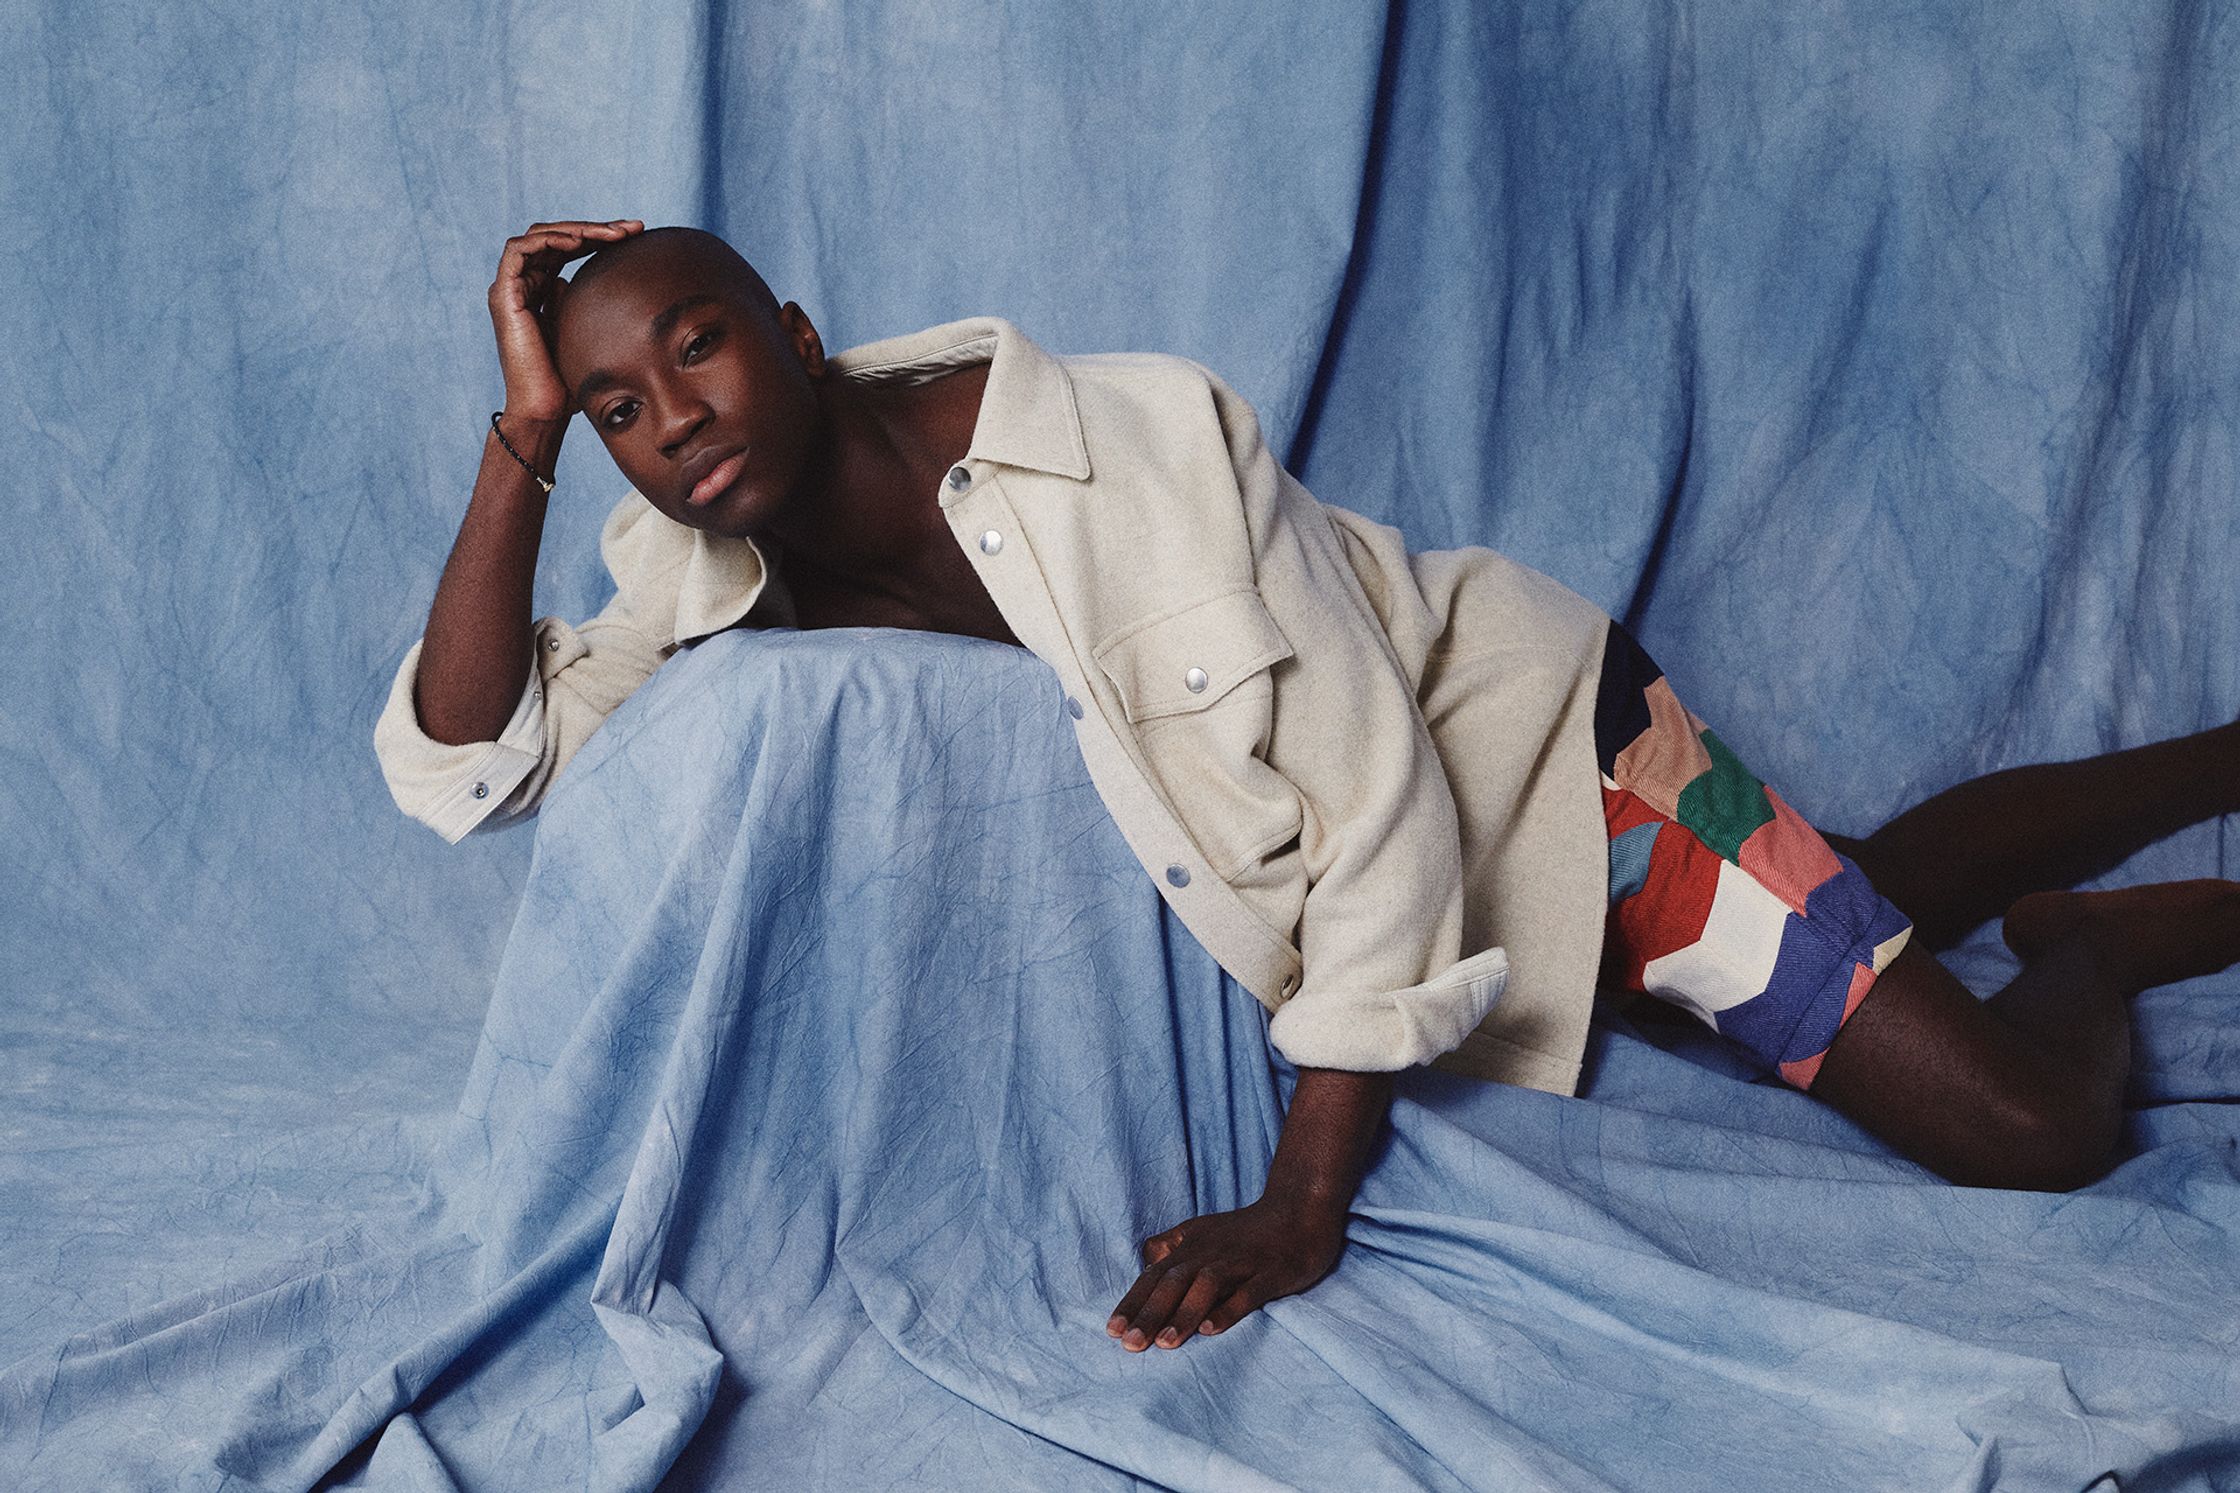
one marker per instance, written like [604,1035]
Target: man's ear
[807,345]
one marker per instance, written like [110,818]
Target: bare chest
[950,600]
[938,590]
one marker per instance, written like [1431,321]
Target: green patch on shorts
[1726,805]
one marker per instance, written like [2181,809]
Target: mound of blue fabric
[841,1055]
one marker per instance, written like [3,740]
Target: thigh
[1723,899]
[1922,1051]
[1945,1080]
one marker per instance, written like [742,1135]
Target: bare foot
[2229,737]
[2143,935]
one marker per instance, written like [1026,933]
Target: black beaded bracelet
[517,456]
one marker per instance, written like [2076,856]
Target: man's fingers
[1166,1291]
[538,294]
[525,259]
[1241,1303]
[1191,1310]
[585,225]
[578,231]
[1159,1246]
[554,249]
[554,244]
[539,241]
[1138,1293]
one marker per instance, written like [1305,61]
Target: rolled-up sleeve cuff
[451,787]
[1380,1031]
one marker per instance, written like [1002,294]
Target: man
[893,500]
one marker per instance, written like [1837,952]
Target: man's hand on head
[524,303]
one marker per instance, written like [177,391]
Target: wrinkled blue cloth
[1874,363]
[842,1053]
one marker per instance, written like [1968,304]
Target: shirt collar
[1028,418]
[1027,414]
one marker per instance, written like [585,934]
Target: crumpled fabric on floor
[842,1053]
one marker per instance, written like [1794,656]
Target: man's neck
[871,525]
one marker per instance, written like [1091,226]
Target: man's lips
[720,477]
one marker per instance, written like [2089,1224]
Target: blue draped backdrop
[782,1108]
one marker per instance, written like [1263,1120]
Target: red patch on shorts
[1622,809]
[1669,911]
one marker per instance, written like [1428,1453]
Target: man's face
[684,377]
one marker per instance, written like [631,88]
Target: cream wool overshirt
[1365,780]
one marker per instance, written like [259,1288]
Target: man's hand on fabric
[1203,1275]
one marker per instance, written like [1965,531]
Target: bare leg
[1964,857]
[2025,1089]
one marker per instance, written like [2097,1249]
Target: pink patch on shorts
[1787,855]
[1660,762]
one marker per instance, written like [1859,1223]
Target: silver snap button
[1290,983]
[552,645]
[1177,876]
[482,790]
[1073,707]
[990,542]
[959,479]
[1196,679]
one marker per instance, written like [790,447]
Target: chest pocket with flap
[1188,659]
[1171,673]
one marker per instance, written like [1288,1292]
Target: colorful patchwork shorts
[1723,900]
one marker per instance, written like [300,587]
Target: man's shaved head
[700,252]
[692,372]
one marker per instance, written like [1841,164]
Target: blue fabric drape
[1874,363]
[839,1056]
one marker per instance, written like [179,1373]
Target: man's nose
[681,419]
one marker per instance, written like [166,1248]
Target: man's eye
[704,340]
[608,419]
